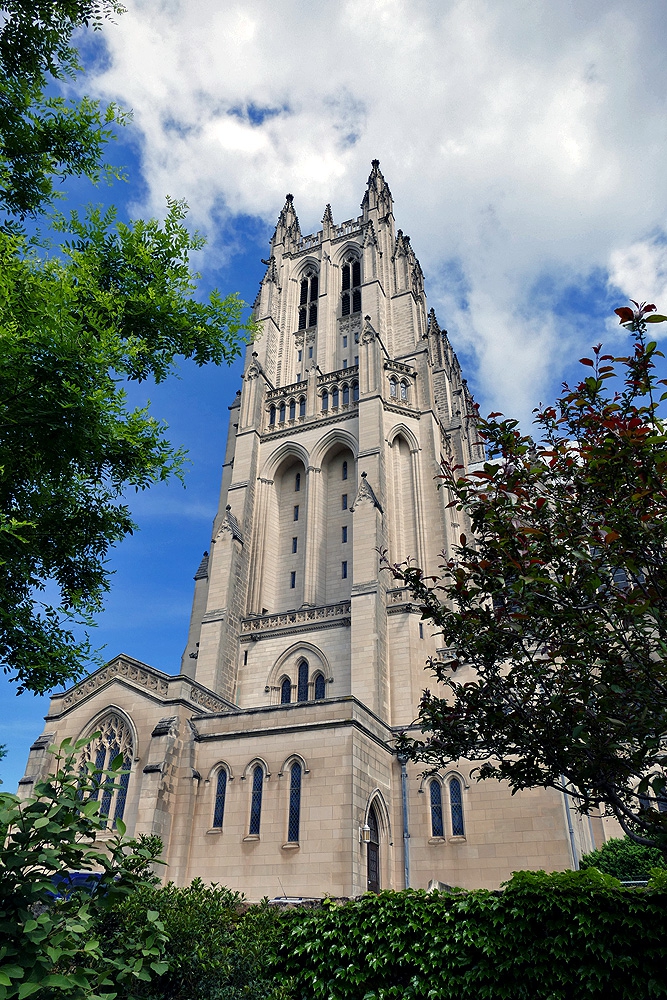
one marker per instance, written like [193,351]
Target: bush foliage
[545,937]
[624,859]
[213,951]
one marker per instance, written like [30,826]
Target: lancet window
[220,792]
[456,807]
[256,800]
[294,803]
[435,794]
[351,285]
[308,294]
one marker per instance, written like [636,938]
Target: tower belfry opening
[269,759]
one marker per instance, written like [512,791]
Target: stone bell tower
[268,763]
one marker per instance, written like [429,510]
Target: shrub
[562,936]
[214,950]
[624,859]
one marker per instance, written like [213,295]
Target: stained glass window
[114,739]
[294,804]
[456,806]
[286,691]
[319,687]
[256,804]
[437,829]
[302,685]
[220,790]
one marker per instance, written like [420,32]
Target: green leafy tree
[111,303]
[49,940]
[624,859]
[553,611]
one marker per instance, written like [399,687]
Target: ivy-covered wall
[545,937]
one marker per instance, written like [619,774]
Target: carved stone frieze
[303,620]
[143,676]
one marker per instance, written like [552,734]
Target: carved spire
[377,195]
[287,228]
[202,572]
[327,222]
[433,328]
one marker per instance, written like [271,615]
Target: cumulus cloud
[523,142]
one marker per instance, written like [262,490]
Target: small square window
[296,512]
[344,533]
[344,569]
[344,341]
[310,352]
[294,544]
[292,580]
[299,355]
[343,501]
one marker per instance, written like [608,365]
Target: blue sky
[524,144]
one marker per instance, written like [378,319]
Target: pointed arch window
[404,391]
[272,416]
[351,285]
[220,792]
[325,402]
[114,739]
[373,852]
[302,684]
[334,399]
[435,791]
[308,294]
[355,392]
[344,476]
[294,803]
[281,418]
[320,687]
[456,807]
[393,388]
[292,409]
[286,691]
[346,395]
[256,800]
[302,406]
[297,482]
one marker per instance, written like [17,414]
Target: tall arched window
[320,687]
[286,691]
[256,802]
[355,392]
[302,406]
[334,399]
[456,807]
[272,416]
[294,804]
[115,738]
[351,286]
[297,482]
[373,853]
[437,828]
[393,387]
[404,391]
[308,300]
[325,402]
[292,409]
[302,684]
[346,395]
[220,792]
[344,476]
[282,414]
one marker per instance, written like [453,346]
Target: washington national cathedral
[268,764]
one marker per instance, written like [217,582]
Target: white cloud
[523,142]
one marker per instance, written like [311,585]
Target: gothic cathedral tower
[268,763]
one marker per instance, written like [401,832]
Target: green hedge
[545,937]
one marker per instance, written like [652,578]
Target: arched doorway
[373,853]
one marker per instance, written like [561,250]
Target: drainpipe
[568,813]
[402,759]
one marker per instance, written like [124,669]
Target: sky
[524,144]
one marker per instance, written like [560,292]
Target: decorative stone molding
[305,620]
[366,492]
[204,698]
[231,525]
[144,676]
